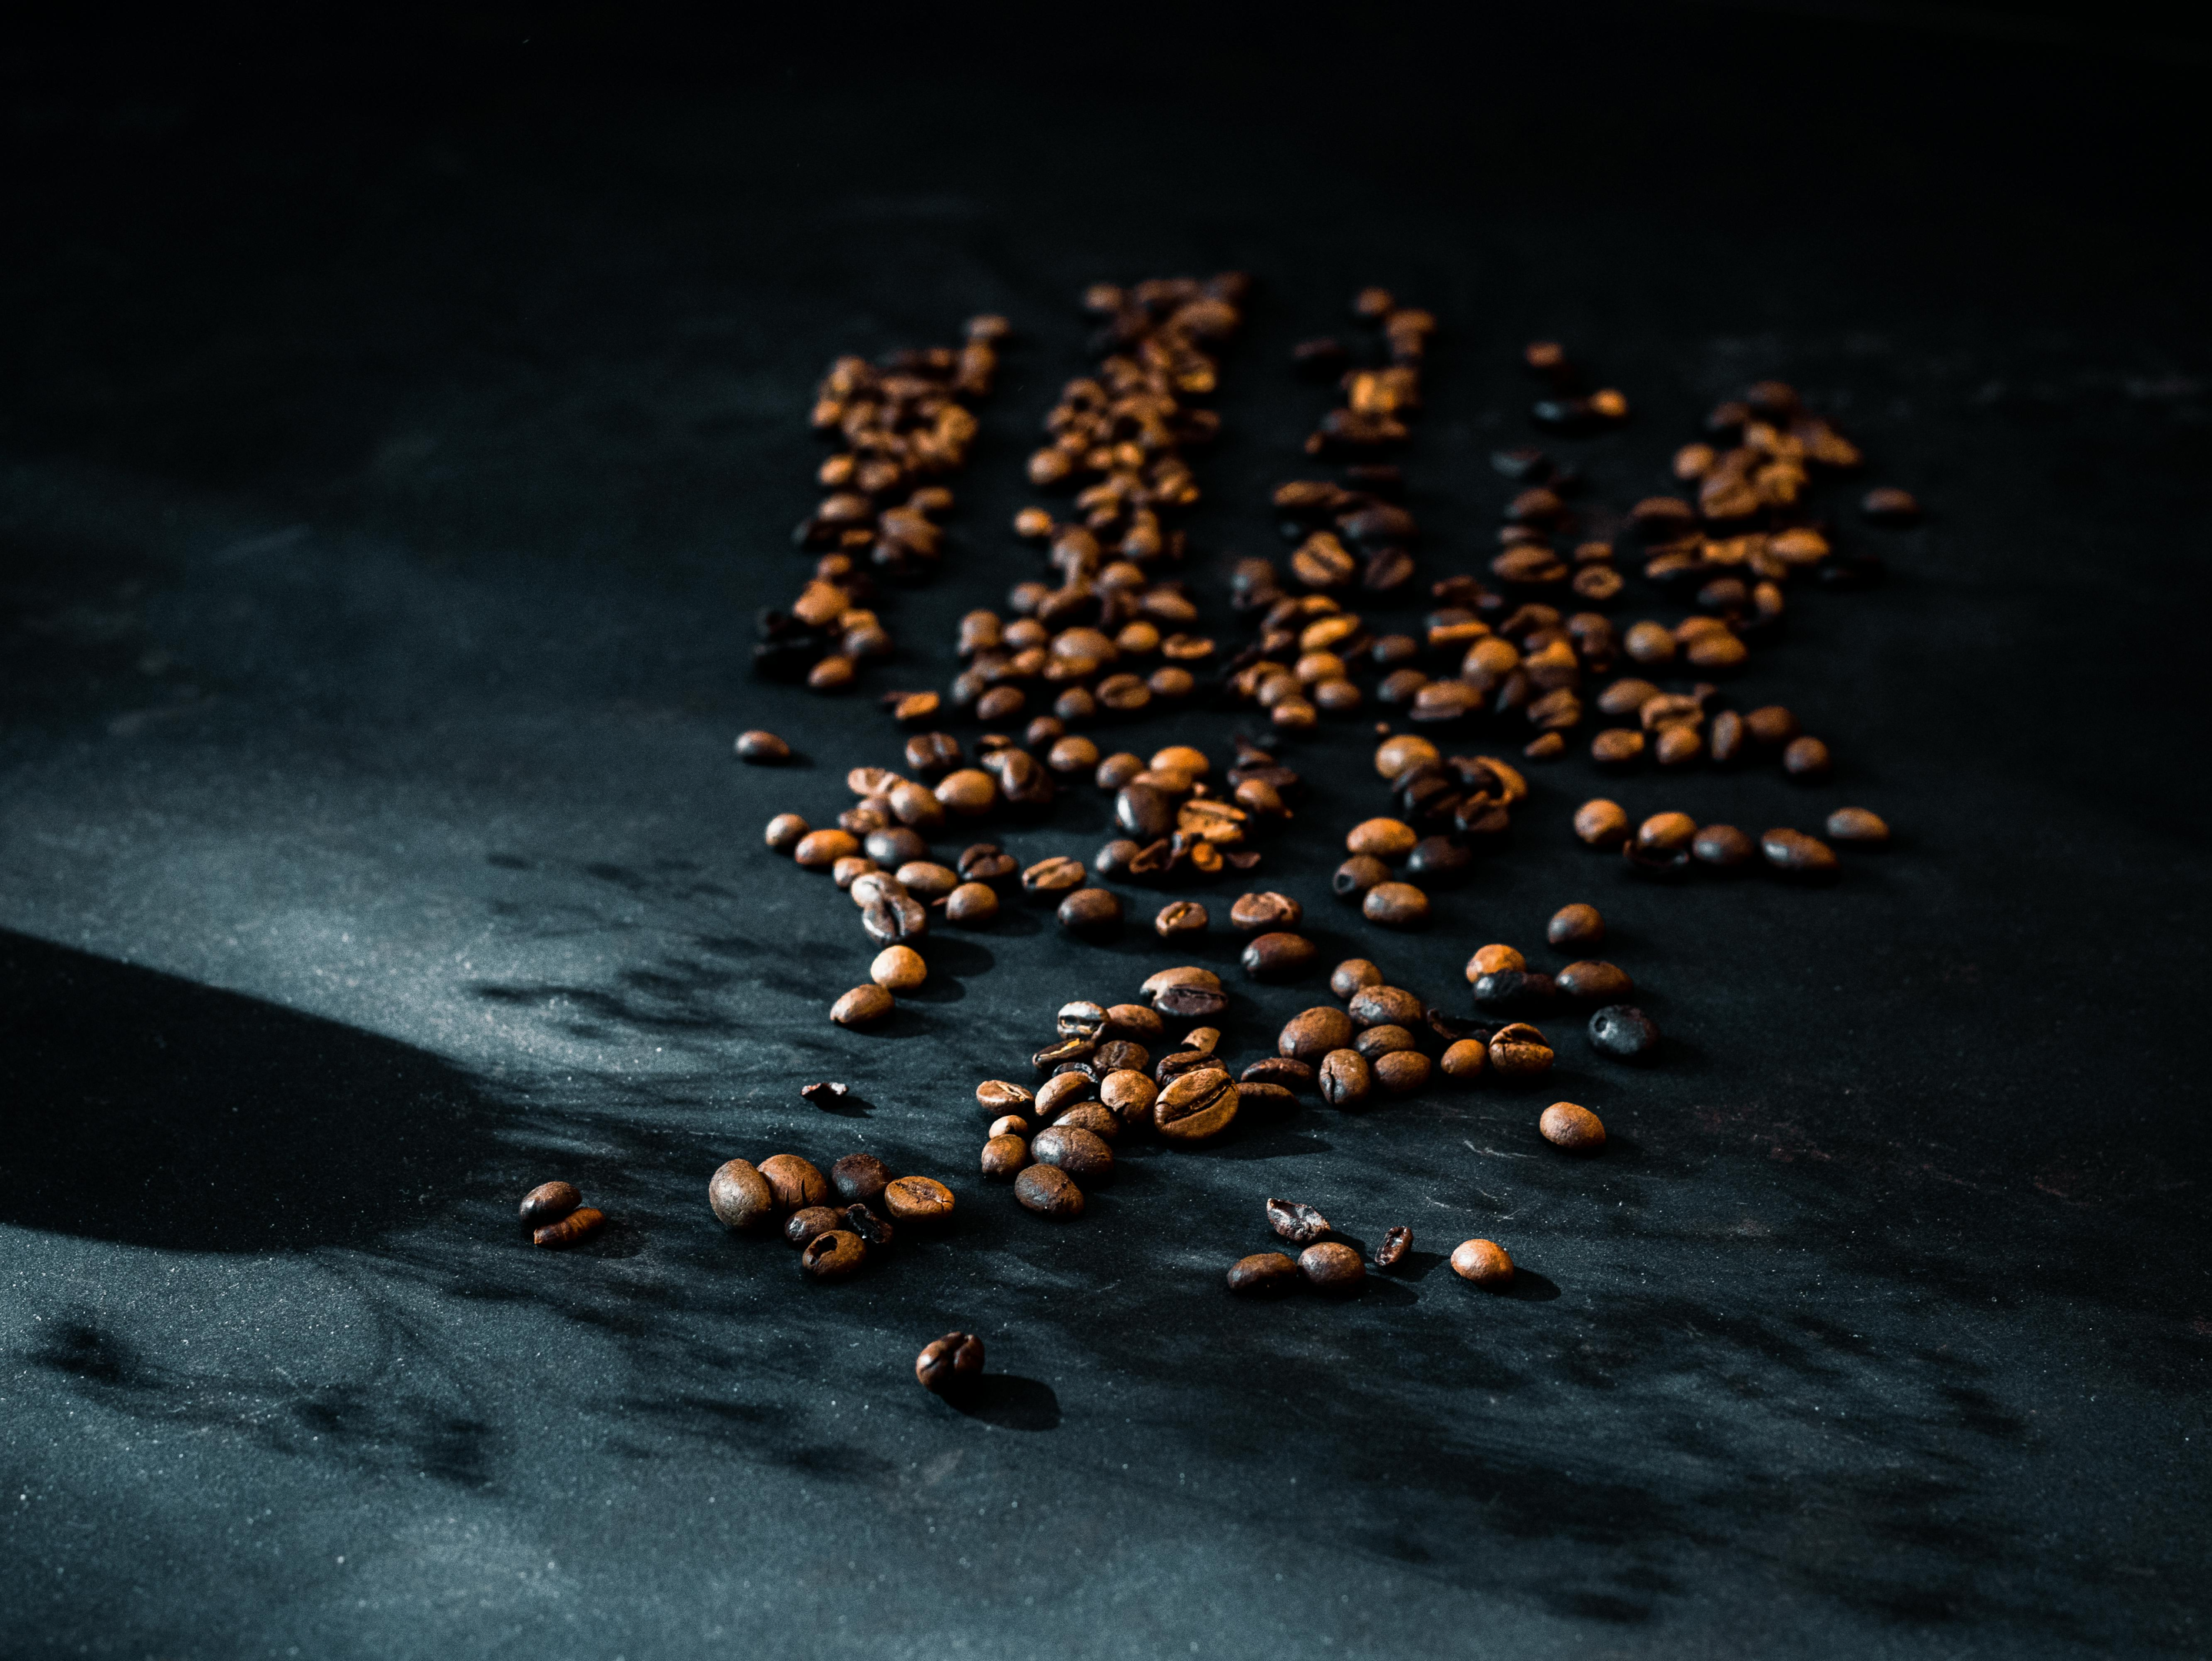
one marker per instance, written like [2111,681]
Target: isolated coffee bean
[898,969]
[1395,905]
[1092,912]
[864,1006]
[1005,1158]
[949,1365]
[971,905]
[1264,1274]
[1576,928]
[1334,1267]
[740,1196]
[1624,1031]
[1277,956]
[1807,758]
[1256,913]
[1312,1033]
[1081,1153]
[1463,1060]
[1723,846]
[549,1202]
[573,1229]
[1196,1107]
[1296,1221]
[1396,1242]
[1002,1096]
[1519,1051]
[763,749]
[1179,918]
[1484,1262]
[1594,983]
[918,1200]
[1050,1192]
[1796,855]
[786,831]
[1349,977]
[808,1221]
[1056,875]
[1858,826]
[1282,1070]
[1575,1128]
[860,1178]
[832,1255]
[875,1232]
[1602,824]
[1357,874]
[1343,1078]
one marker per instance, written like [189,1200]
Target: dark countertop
[388,475]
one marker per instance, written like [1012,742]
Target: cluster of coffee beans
[901,425]
[1452,811]
[836,1221]
[1505,986]
[555,1215]
[1667,844]
[1332,1266]
[1178,820]
[1566,407]
[1677,728]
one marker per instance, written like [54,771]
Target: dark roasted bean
[1440,859]
[893,845]
[1114,859]
[1594,983]
[573,1229]
[1310,1035]
[1350,977]
[1296,1221]
[763,749]
[1796,855]
[1334,1267]
[949,1365]
[1119,1055]
[860,1178]
[832,1255]
[1050,1192]
[549,1202]
[1575,1129]
[1576,927]
[1283,1070]
[1624,1031]
[1395,905]
[1519,1051]
[1091,911]
[1279,956]
[1377,1042]
[1723,846]
[1358,874]
[1196,1106]
[1145,811]
[1005,1156]
[1264,1274]
[1400,1072]
[1179,918]
[1381,1006]
[1345,1079]
[1807,758]
[808,1221]
[1254,913]
[1888,505]
[1396,1242]
[1056,875]
[740,1196]
[1857,825]
[1602,824]
[875,1232]
[1083,1154]
[1484,1262]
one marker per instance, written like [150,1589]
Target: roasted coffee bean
[786,831]
[1576,928]
[898,969]
[794,1182]
[987,863]
[1083,1154]
[1439,858]
[932,752]
[1463,1060]
[1602,824]
[1348,978]
[1666,833]
[1196,1106]
[949,1365]
[859,1178]
[1729,740]
[1050,1192]
[1395,905]
[1079,1018]
[1279,956]
[1796,855]
[893,918]
[1519,1051]
[1311,1034]
[1575,1129]
[1091,911]
[1002,1096]
[1280,1070]
[1264,1274]
[894,845]
[740,1196]
[1624,1031]
[1190,1001]
[549,1202]
[1120,1055]
[864,1006]
[1723,846]
[1396,1242]
[1118,769]
[850,869]
[1357,874]
[1056,875]
[1145,811]
[817,850]
[1135,1021]
[1594,983]
[1296,1221]
[1400,1072]
[1343,1078]
[1094,1116]
[1254,913]
[1616,746]
[875,1232]
[1204,1039]
[1334,1267]
[1009,1124]
[573,1229]
[1807,758]
[971,905]
[1129,1094]
[1888,505]
[808,1221]
[832,1255]
[918,1200]
[763,749]
[1857,825]
[1179,918]
[1183,975]
[926,880]
[1380,1006]
[1063,1090]
[1504,990]
[1450,1029]
[1484,1262]
[1493,958]
[1385,839]
[1056,1055]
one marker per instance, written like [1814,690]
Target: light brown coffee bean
[1577,927]
[1519,1051]
[817,850]
[898,969]
[1349,977]
[971,905]
[549,1202]
[1196,1106]
[832,1255]
[1009,1124]
[786,831]
[1464,1060]
[1050,1192]
[1092,913]
[804,1224]
[1056,875]
[1665,834]
[1395,905]
[1005,1158]
[1594,983]
[1484,1262]
[1311,1034]
[1856,826]
[1002,1096]
[1602,824]
[918,1200]
[575,1228]
[1128,1093]
[1096,1118]
[1577,1129]
[1257,913]
[864,1006]
[1135,1021]
[1062,1091]
[794,1183]
[1333,1268]
[740,1196]
[1494,960]
[1180,918]
[1262,1274]
[1382,839]
[1400,1072]
[967,793]
[1343,1078]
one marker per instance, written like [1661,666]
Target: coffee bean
[1135,1021]
[1888,505]
[1121,1054]
[949,1365]
[892,846]
[1400,1072]
[1503,990]
[817,850]
[1729,739]
[1616,746]
[1348,978]
[1279,1070]
[1384,839]
[1009,1124]
[1396,1242]
[549,1202]
[762,749]
[1094,1116]
[971,905]
[573,1229]
[1050,1192]
[1624,1031]
[1594,983]
[1254,913]
[1519,1051]
[1796,855]
[832,1255]
[1602,824]
[1577,1129]
[1357,874]
[1190,1001]
[1118,769]
[1311,1034]
[1056,875]
[786,831]
[1857,825]
[1296,1221]
[1807,758]
[1081,1153]
[1665,834]
[918,1200]
[1091,911]
[1264,1274]
[850,869]
[1196,1106]
[1279,956]
[876,1233]
[1484,1262]
[1184,977]
[1345,1079]
[1493,960]
[1005,1156]
[898,969]
[864,1006]
[1576,927]
[740,1196]
[1463,1060]
[1145,811]
[1723,846]
[1178,918]
[1080,1018]
[808,1221]
[1395,905]
[1439,858]
[1129,1094]
[1062,1091]
[1334,1267]
[1377,1042]
[1380,1006]
[1002,1096]
[860,1178]
[985,862]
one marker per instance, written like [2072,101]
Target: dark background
[402,420]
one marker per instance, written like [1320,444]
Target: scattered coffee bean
[1576,928]
[1264,1274]
[1081,1153]
[1888,505]
[1624,1032]
[1002,1096]
[918,1200]
[1178,918]
[1128,1094]
[1594,983]
[573,1229]
[1665,834]
[971,905]
[1296,1221]
[1121,1056]
[1504,990]
[1519,1051]
[1377,1042]
[1807,758]
[817,850]
[864,1006]
[1493,960]
[1396,1242]
[1057,875]
[1279,1070]
[1602,824]
[832,1255]
[1005,1158]
[1206,1039]
[794,1183]
[1135,1021]
[1334,1267]
[786,831]
[1401,1072]
[1357,874]
[1080,1018]
[808,1221]
[1463,1060]
[1311,1034]
[1279,956]
[949,1365]
[898,969]
[549,1202]
[1577,1129]
[740,1196]
[1187,992]
[875,1232]
[1254,913]
[1616,746]
[892,846]
[1857,825]
[1440,859]
[1196,1107]
[1091,912]
[1009,1124]
[1796,855]
[1345,1079]
[1383,1006]
[1723,846]
[1353,973]
[859,1178]
[1050,1192]
[762,749]
[1484,1262]
[1063,1091]
[1395,905]
[1384,839]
